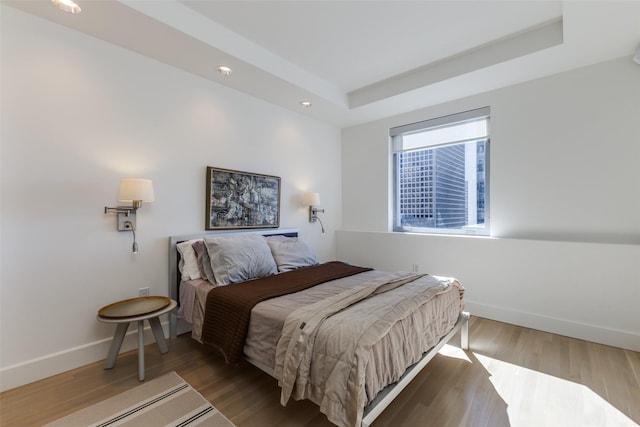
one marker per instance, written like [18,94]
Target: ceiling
[358,61]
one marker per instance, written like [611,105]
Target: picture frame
[237,199]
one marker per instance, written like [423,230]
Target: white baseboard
[594,333]
[36,369]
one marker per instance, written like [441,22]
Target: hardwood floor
[511,376]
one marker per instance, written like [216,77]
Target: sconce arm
[127,210]
[129,225]
[313,216]
[313,213]
[125,214]
[317,218]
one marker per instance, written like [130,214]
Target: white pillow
[291,252]
[240,258]
[188,260]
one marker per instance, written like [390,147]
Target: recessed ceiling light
[67,6]
[305,104]
[224,70]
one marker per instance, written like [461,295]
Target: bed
[349,338]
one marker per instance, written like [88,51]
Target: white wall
[78,114]
[565,206]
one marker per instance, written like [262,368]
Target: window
[441,174]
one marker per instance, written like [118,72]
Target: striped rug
[165,401]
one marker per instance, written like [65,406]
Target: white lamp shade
[136,189]
[311,199]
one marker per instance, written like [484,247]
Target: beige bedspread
[325,352]
[418,332]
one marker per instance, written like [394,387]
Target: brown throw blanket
[228,308]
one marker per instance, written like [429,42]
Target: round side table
[135,310]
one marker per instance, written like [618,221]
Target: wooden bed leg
[464,333]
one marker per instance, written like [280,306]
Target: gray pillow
[239,258]
[204,263]
[291,252]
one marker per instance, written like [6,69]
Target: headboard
[176,326]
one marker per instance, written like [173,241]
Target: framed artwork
[237,199]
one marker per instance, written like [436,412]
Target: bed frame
[385,397]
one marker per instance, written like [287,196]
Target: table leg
[116,343]
[158,333]
[140,350]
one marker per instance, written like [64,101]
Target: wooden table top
[134,307]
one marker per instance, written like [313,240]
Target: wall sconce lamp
[313,200]
[136,191]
